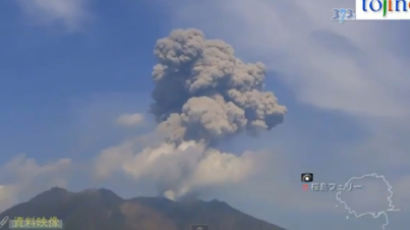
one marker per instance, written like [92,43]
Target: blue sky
[47,71]
[69,70]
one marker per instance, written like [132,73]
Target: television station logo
[374,10]
[383,9]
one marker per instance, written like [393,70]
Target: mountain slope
[104,210]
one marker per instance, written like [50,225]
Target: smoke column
[202,95]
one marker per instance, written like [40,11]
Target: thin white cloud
[69,13]
[130,120]
[23,177]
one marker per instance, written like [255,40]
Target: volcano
[101,209]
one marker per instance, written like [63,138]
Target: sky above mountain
[76,84]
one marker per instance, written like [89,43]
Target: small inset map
[375,199]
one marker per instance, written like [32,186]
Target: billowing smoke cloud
[209,93]
[203,94]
